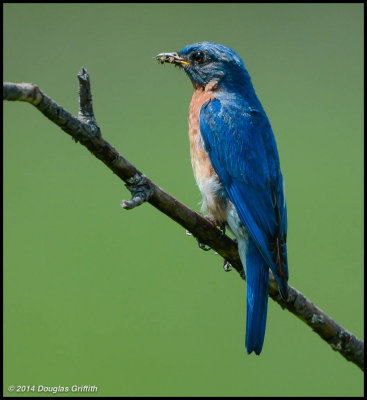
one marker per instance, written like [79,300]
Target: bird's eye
[198,56]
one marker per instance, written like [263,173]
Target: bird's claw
[222,227]
[203,246]
[226,265]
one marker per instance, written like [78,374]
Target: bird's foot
[203,246]
[222,227]
[226,265]
[200,243]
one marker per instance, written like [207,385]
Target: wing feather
[242,149]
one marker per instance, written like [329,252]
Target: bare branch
[141,190]
[85,130]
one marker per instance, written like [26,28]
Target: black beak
[172,58]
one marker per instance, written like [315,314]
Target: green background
[124,300]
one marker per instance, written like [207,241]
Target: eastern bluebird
[236,166]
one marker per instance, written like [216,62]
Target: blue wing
[242,149]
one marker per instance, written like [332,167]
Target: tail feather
[257,278]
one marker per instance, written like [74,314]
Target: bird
[236,165]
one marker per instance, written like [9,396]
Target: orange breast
[205,175]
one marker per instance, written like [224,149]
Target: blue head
[206,62]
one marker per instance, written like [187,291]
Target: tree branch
[85,130]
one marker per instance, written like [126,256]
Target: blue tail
[257,278]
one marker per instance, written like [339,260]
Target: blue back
[242,149]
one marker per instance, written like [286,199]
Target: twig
[85,130]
